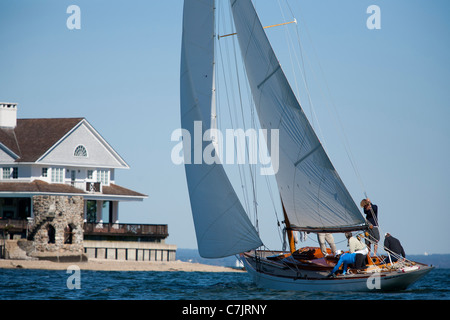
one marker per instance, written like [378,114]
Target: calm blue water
[21,284]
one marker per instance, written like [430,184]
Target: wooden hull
[278,275]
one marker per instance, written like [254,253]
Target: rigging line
[236,125]
[291,49]
[255,124]
[270,190]
[241,173]
[290,43]
[396,255]
[372,241]
[286,33]
[302,69]
[267,179]
[227,94]
[345,139]
[313,118]
[246,145]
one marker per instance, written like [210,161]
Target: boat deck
[309,262]
[308,270]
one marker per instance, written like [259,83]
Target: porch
[91,229]
[122,231]
[13,227]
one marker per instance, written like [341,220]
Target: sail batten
[268,77]
[307,155]
[221,224]
[313,194]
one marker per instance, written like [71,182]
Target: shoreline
[114,265]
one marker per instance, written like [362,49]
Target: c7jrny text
[231,309]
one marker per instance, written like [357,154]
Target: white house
[58,190]
[58,156]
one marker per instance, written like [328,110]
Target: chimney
[8,115]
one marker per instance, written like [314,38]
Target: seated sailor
[361,250]
[344,259]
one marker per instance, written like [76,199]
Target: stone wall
[18,249]
[58,224]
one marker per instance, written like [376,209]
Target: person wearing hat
[371,212]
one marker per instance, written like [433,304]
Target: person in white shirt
[361,250]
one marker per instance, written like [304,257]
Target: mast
[213,89]
[214,138]
[289,231]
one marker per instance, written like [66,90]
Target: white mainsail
[221,223]
[312,192]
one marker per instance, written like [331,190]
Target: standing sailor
[328,237]
[371,212]
[393,245]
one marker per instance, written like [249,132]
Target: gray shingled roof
[39,186]
[31,138]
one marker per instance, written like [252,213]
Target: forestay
[312,192]
[221,223]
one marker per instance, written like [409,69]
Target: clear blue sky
[121,72]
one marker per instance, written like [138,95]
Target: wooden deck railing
[113,229]
[147,230]
[13,225]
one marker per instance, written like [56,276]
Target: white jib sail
[313,194]
[221,223]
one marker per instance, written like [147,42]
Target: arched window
[51,233]
[80,151]
[68,234]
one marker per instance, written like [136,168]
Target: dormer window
[80,151]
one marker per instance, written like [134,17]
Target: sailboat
[313,197]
